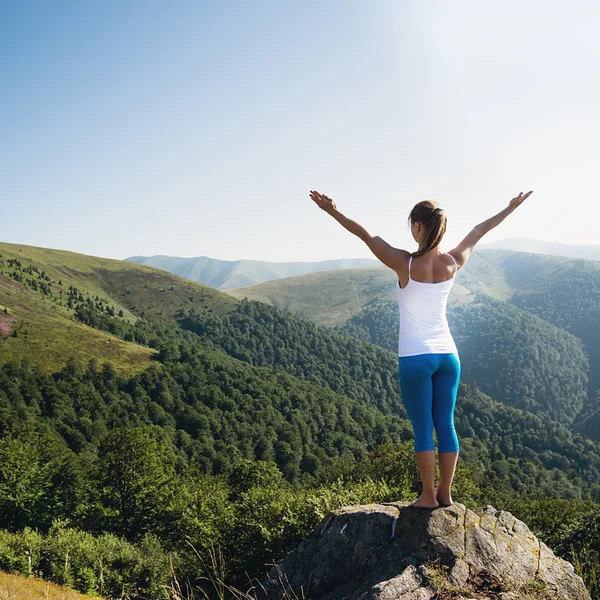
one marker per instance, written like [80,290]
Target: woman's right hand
[518,200]
[323,201]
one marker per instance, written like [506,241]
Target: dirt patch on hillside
[5,321]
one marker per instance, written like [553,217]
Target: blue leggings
[429,385]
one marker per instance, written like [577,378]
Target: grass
[216,579]
[330,298]
[19,587]
[49,335]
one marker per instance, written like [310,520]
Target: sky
[197,128]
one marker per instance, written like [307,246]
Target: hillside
[516,357]
[331,298]
[15,586]
[40,289]
[328,298]
[526,324]
[569,298]
[247,420]
[161,311]
[227,274]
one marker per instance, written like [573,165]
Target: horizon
[480,245]
[129,124]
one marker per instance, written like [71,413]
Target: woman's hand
[518,200]
[322,201]
[388,255]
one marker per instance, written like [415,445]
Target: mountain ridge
[229,274]
[535,246]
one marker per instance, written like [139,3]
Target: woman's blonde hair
[433,222]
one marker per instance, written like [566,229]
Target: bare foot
[443,498]
[425,502]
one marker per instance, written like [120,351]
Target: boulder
[394,551]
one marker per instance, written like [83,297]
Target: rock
[394,551]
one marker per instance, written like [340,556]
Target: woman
[428,360]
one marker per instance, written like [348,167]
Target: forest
[248,424]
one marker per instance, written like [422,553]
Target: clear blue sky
[198,128]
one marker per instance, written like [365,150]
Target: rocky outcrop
[394,551]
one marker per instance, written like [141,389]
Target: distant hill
[331,298]
[236,274]
[525,244]
[228,274]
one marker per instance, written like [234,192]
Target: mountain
[524,244]
[228,274]
[213,355]
[56,305]
[510,354]
[330,298]
[231,404]
[511,311]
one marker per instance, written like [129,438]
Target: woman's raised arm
[391,257]
[462,252]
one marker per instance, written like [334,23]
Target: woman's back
[429,268]
[423,323]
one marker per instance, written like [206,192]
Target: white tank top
[423,323]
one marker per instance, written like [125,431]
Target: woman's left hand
[322,201]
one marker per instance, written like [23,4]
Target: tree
[135,473]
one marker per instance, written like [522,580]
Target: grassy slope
[49,335]
[330,298]
[327,298]
[17,586]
